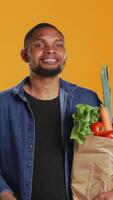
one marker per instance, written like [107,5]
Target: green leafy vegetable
[84,116]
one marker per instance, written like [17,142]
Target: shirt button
[28,164]
[27,184]
[30,146]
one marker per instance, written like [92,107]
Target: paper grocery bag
[92,168]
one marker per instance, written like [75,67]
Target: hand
[7,196]
[105,196]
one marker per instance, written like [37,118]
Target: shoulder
[6,96]
[6,93]
[13,91]
[74,88]
[81,94]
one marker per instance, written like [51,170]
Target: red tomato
[97,128]
[108,134]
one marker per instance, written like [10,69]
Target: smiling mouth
[50,61]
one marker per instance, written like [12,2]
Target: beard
[39,70]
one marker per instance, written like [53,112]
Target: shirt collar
[19,90]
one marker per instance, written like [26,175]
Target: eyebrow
[42,39]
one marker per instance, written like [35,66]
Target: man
[36,121]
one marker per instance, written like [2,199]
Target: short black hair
[30,33]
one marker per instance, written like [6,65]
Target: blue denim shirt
[17,136]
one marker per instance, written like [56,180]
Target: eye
[59,45]
[39,44]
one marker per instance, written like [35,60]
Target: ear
[24,55]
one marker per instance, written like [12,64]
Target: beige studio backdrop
[86,24]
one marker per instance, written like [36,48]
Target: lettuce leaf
[84,116]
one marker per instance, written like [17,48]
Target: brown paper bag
[92,168]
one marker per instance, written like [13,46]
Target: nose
[49,50]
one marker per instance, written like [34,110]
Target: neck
[43,88]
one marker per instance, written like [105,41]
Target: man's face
[46,52]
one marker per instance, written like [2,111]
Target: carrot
[105,116]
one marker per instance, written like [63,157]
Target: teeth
[50,60]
